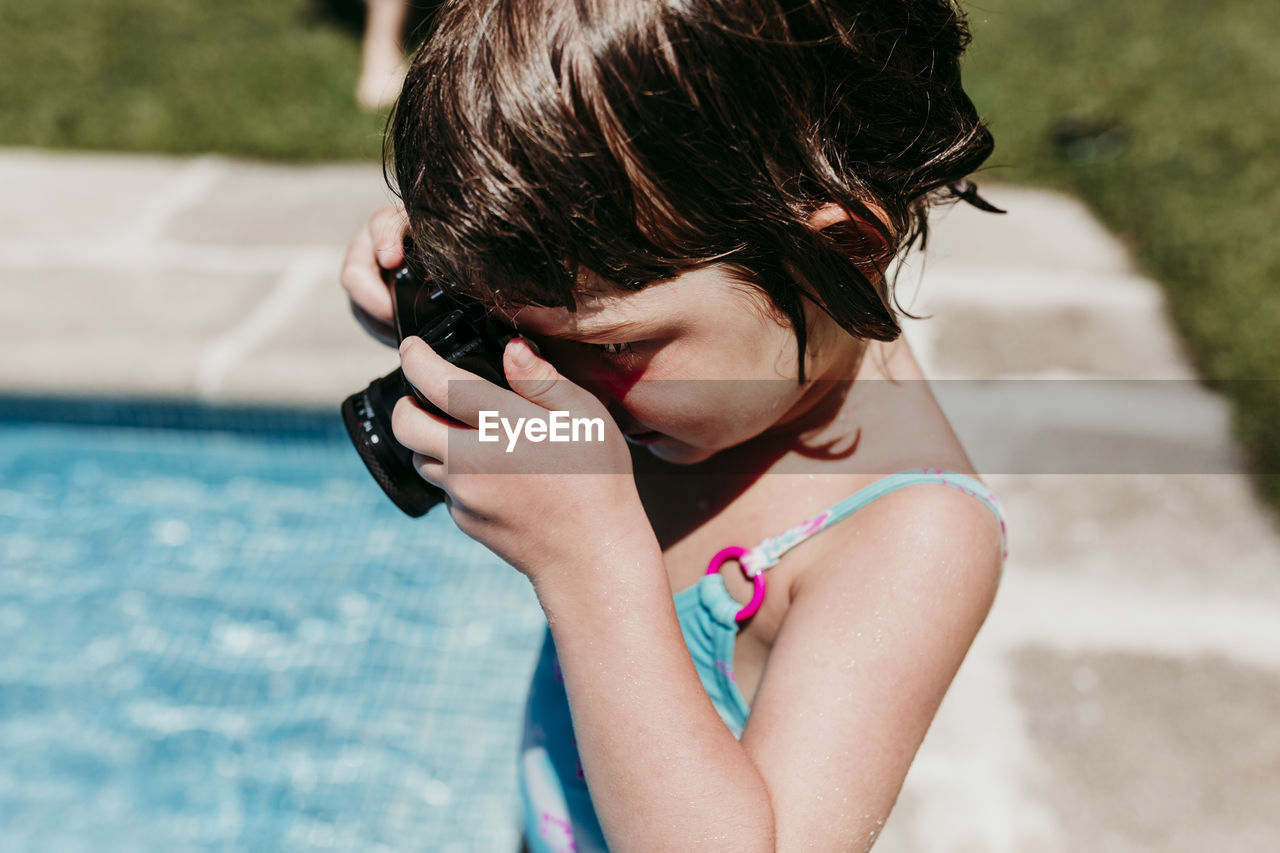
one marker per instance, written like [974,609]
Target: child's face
[692,365]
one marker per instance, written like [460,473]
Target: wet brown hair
[640,138]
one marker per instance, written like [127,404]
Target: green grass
[1194,189]
[270,80]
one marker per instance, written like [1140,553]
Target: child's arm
[857,670]
[664,771]
[869,645]
[859,666]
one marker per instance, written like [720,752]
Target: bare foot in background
[382,61]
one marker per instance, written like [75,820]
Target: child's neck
[820,435]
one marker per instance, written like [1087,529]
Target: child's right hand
[377,246]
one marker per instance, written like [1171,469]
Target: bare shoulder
[925,533]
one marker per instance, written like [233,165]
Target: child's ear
[864,245]
[831,213]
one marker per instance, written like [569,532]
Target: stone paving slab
[1121,695]
[115,331]
[317,354]
[1182,535]
[252,204]
[1195,771]
[1123,342]
[74,198]
[203,277]
[1044,231]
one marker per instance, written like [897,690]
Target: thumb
[533,377]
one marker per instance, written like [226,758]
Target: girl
[688,207]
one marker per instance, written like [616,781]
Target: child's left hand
[542,506]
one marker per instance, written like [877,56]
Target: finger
[536,380]
[362,278]
[419,430]
[387,227]
[384,332]
[459,393]
[431,470]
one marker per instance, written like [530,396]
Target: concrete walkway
[1125,692]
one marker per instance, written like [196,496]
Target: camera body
[461,333]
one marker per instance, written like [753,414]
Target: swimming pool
[219,634]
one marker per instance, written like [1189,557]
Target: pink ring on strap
[733,552]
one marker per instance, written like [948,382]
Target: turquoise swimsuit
[558,814]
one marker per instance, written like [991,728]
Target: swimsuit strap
[767,553]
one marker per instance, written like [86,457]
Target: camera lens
[367,416]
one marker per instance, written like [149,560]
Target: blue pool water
[218,634]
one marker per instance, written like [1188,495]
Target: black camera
[461,333]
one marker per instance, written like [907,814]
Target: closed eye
[618,349]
